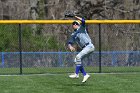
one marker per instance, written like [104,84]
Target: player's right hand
[71,48]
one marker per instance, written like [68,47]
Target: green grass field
[60,83]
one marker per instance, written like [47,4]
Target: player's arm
[81,19]
[70,43]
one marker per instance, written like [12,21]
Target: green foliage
[31,42]
[9,39]
[52,42]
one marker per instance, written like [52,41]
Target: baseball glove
[69,14]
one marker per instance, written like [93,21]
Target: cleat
[85,78]
[74,76]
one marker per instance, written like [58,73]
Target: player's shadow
[79,84]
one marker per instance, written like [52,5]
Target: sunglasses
[75,23]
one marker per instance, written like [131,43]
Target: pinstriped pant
[85,51]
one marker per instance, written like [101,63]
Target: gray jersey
[80,36]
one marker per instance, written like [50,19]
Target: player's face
[75,26]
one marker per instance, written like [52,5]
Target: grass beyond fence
[64,70]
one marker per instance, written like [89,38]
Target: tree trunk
[34,14]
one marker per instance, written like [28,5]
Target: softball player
[81,37]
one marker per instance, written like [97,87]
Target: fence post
[2,59]
[20,48]
[100,54]
[60,59]
[114,59]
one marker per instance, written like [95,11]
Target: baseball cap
[76,23]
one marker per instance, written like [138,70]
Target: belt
[85,45]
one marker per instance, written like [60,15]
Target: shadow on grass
[79,84]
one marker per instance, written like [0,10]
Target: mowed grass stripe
[98,83]
[119,83]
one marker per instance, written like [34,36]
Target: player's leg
[79,66]
[77,62]
[87,50]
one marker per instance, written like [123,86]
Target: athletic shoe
[74,76]
[85,78]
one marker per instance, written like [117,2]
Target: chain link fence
[41,48]
[120,47]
